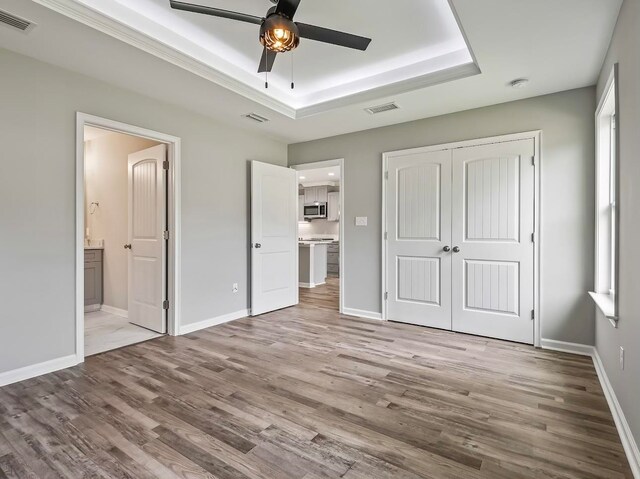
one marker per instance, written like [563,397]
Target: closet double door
[459,247]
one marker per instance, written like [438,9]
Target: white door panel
[147,206]
[492,223]
[418,229]
[274,227]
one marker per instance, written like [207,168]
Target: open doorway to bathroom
[320,232]
[125,249]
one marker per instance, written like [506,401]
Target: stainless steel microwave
[315,211]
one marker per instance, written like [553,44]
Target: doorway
[320,234]
[461,224]
[126,235]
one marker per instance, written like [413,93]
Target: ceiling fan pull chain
[292,84]
[266,70]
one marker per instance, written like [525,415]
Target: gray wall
[568,194]
[37,203]
[624,51]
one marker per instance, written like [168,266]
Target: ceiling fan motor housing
[279,34]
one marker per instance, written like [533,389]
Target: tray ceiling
[416,43]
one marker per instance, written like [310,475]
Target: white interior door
[147,246]
[274,238]
[493,223]
[419,231]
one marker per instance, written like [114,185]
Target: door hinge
[165,235]
[533,237]
[533,314]
[165,165]
[386,296]
[533,160]
[386,235]
[165,304]
[386,175]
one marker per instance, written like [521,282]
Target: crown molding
[109,26]
[102,23]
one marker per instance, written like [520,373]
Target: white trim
[28,372]
[361,313]
[626,436]
[123,313]
[174,213]
[599,287]
[341,239]
[310,285]
[207,323]
[564,347]
[536,136]
[92,308]
[103,23]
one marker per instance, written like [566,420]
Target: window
[606,201]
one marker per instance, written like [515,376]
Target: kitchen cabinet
[92,279]
[333,206]
[333,258]
[316,194]
[300,208]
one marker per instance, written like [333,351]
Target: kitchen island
[312,263]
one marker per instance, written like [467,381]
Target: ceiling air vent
[16,22]
[374,110]
[256,117]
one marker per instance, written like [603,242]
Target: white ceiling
[409,44]
[558,45]
[319,175]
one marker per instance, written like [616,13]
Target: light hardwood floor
[306,393]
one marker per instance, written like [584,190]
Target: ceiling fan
[278,32]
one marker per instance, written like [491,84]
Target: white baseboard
[562,346]
[92,308]
[123,313]
[207,323]
[362,313]
[306,285]
[38,369]
[624,431]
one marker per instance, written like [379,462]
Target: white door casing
[492,225]
[418,231]
[147,253]
[274,241]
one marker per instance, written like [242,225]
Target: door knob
[127,246]
[456,249]
[258,245]
[446,249]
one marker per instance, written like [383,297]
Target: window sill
[606,304]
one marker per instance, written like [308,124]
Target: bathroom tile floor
[105,331]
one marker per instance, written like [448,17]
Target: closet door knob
[446,249]
[127,246]
[456,249]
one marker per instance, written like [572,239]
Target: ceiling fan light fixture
[279,34]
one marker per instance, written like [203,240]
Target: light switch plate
[361,221]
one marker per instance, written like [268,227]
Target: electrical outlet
[621,358]
[361,221]
[235,287]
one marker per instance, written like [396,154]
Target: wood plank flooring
[303,393]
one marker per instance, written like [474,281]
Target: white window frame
[607,220]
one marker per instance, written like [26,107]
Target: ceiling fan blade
[334,37]
[216,12]
[287,8]
[266,62]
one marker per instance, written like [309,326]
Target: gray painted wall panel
[624,51]
[568,193]
[37,203]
